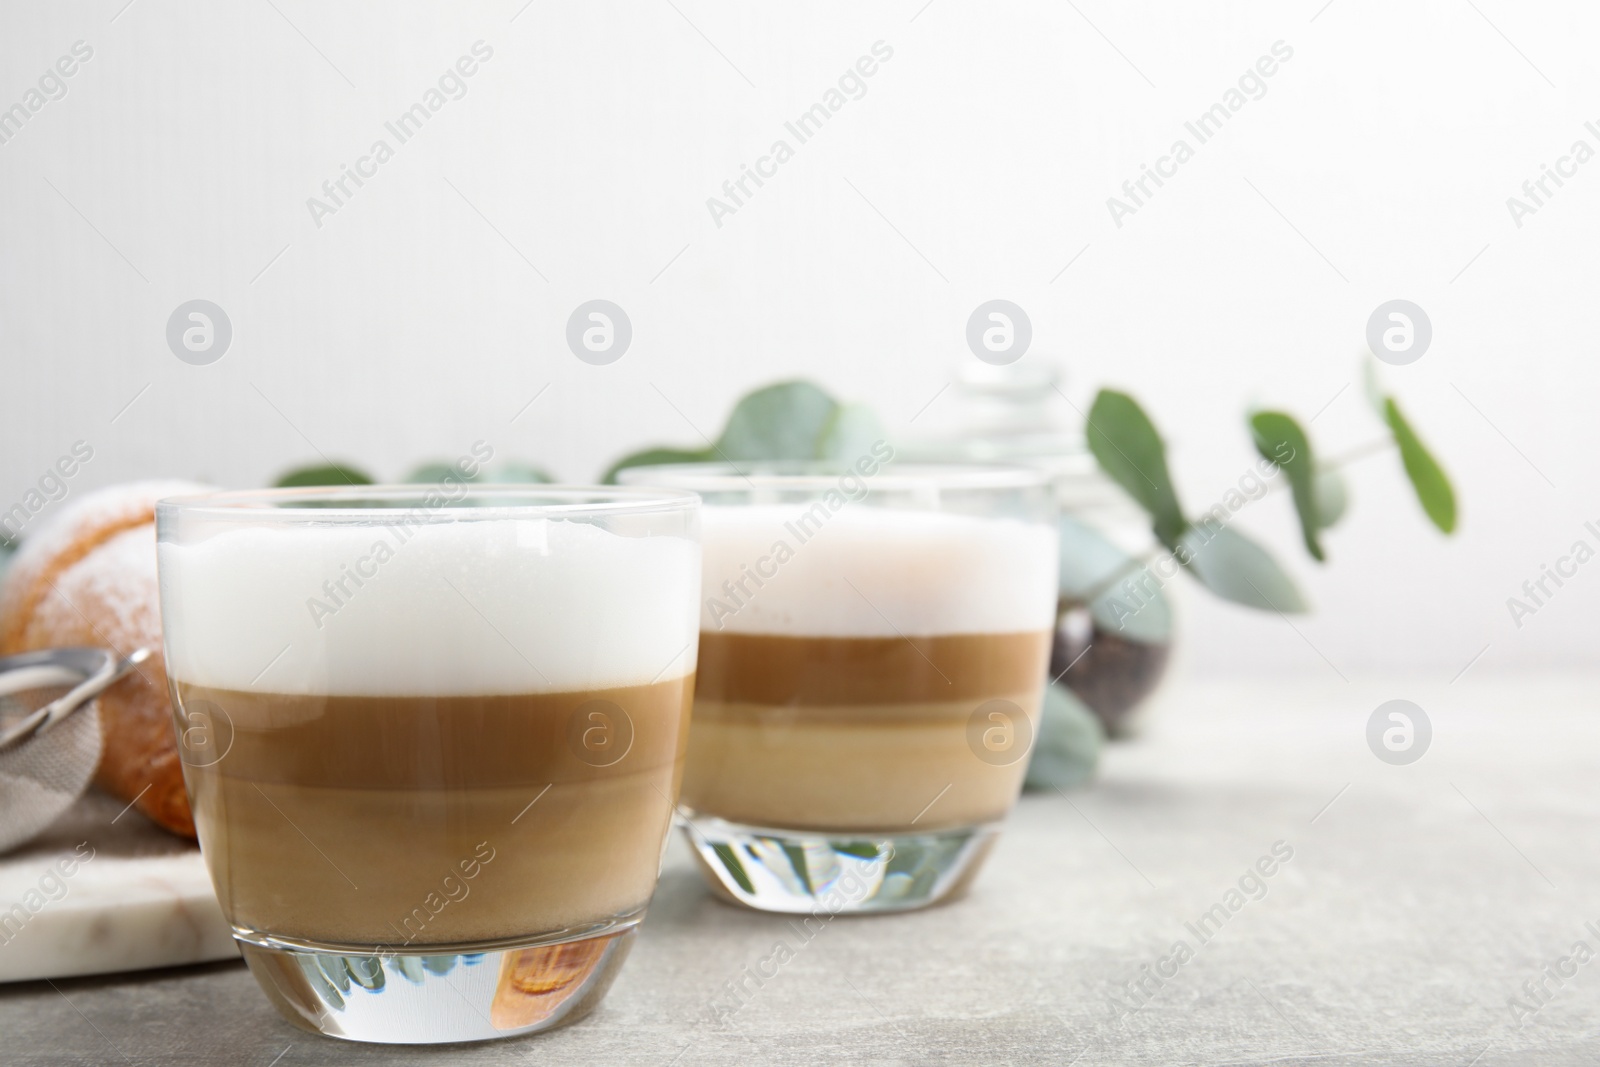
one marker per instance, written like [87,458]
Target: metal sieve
[48,753]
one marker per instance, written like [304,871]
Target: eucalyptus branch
[1360,452]
[1371,448]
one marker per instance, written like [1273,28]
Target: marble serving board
[105,890]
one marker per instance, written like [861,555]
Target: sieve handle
[93,668]
[90,688]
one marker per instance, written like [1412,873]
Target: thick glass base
[456,993]
[810,872]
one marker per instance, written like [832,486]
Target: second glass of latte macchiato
[873,646]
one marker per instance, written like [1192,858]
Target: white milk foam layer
[874,572]
[462,608]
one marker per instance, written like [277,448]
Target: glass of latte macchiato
[873,645]
[432,738]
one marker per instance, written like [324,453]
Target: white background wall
[416,320]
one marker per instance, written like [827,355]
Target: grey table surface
[1418,901]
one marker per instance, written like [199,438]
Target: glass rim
[808,475]
[517,500]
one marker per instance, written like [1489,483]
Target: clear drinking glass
[432,738]
[873,644]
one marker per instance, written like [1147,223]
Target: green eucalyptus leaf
[1236,568]
[1282,442]
[1427,477]
[334,969]
[797,863]
[327,474]
[1122,595]
[1372,385]
[1088,559]
[365,971]
[787,421]
[1067,748]
[1128,448]
[311,967]
[1135,608]
[1332,497]
[730,860]
[435,473]
[516,472]
[655,457]
[407,967]
[849,434]
[783,421]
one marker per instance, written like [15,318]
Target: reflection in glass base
[837,873]
[403,998]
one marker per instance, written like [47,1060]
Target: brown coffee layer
[820,671]
[890,768]
[415,821]
[453,742]
[856,733]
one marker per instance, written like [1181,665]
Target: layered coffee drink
[388,820]
[392,748]
[843,666]
[425,740]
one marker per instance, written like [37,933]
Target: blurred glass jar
[1114,619]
